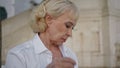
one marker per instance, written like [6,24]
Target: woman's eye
[68,25]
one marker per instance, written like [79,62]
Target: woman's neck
[53,48]
[46,40]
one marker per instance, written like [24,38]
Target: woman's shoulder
[21,48]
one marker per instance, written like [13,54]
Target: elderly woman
[52,21]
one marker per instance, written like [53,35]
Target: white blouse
[34,54]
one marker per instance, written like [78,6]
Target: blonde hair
[55,8]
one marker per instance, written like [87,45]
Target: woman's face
[61,28]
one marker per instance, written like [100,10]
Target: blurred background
[95,40]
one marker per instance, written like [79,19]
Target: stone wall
[96,33]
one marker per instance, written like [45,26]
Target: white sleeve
[14,61]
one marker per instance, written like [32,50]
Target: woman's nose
[69,32]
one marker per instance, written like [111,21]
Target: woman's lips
[63,39]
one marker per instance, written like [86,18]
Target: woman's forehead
[71,16]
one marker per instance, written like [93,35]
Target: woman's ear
[48,19]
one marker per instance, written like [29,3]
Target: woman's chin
[60,43]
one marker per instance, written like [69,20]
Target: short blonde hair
[55,8]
